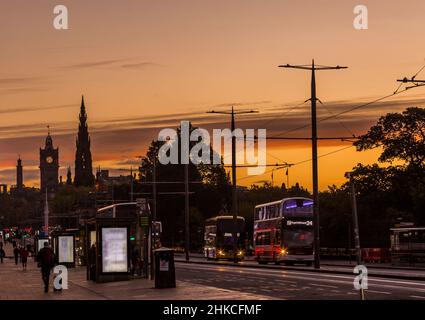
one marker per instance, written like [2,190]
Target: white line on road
[375,291]
[323,285]
[417,297]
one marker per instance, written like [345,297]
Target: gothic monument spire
[83,161]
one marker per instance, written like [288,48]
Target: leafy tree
[209,185]
[401,137]
[394,193]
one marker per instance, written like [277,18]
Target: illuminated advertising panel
[114,250]
[66,249]
[92,238]
[41,243]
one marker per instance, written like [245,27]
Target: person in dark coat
[2,253]
[46,261]
[16,252]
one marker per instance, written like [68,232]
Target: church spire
[69,176]
[49,141]
[83,114]
[83,161]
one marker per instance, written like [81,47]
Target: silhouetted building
[83,161]
[49,166]
[19,176]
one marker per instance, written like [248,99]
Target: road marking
[323,285]
[417,297]
[375,291]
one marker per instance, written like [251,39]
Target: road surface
[296,284]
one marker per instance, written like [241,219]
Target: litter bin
[165,272]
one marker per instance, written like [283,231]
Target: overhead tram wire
[323,155]
[304,161]
[284,113]
[396,92]
[344,112]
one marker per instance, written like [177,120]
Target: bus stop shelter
[114,240]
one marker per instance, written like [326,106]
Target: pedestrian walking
[16,252]
[2,253]
[46,261]
[24,258]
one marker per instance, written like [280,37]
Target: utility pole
[131,186]
[186,210]
[153,221]
[46,215]
[314,139]
[154,189]
[355,222]
[356,227]
[415,83]
[234,185]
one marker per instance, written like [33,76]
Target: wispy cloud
[6,91]
[239,104]
[14,81]
[140,65]
[91,64]
[35,108]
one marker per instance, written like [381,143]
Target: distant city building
[83,160]
[103,178]
[19,175]
[19,187]
[49,166]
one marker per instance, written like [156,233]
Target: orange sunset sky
[146,65]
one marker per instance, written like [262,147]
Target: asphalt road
[296,284]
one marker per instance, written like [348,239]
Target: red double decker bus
[283,231]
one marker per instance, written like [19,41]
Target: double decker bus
[283,231]
[219,238]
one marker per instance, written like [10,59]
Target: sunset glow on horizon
[147,65]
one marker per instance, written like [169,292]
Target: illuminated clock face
[49,159]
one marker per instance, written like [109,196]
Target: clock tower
[49,166]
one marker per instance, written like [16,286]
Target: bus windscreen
[225,231]
[298,207]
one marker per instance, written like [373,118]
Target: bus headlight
[283,251]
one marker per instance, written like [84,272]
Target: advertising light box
[66,249]
[41,243]
[114,250]
[92,238]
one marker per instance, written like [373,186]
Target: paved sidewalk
[16,284]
